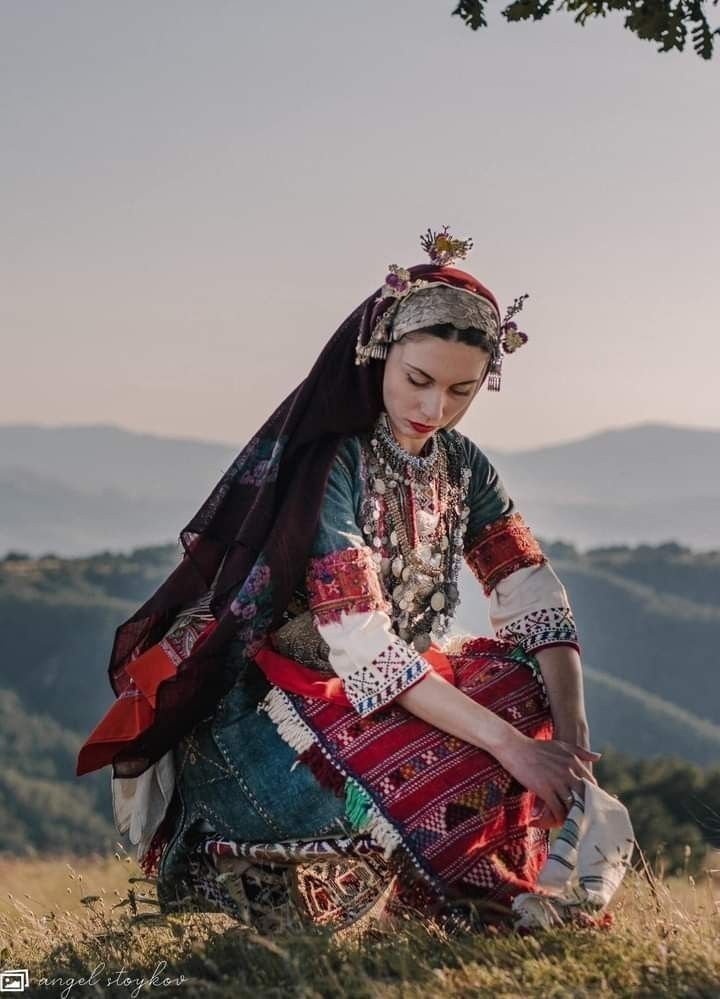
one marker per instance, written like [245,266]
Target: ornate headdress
[428,295]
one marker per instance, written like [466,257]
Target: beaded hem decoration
[503,547]
[443,250]
[415,516]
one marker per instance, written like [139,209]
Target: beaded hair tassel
[511,338]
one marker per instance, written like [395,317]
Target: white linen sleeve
[530,606]
[348,604]
[373,663]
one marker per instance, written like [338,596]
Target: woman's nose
[433,409]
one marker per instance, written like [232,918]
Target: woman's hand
[574,730]
[552,769]
[577,733]
[549,768]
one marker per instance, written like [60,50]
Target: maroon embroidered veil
[262,514]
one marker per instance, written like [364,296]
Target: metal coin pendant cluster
[415,521]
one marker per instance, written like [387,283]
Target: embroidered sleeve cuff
[344,582]
[503,547]
[542,628]
[391,672]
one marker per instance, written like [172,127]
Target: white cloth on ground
[140,803]
[586,864]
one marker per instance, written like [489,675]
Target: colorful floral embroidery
[260,461]
[253,608]
[395,669]
[344,582]
[550,626]
[502,548]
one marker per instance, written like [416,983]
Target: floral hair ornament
[510,339]
[442,301]
[442,249]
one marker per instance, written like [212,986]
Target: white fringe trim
[382,832]
[453,645]
[288,722]
[300,737]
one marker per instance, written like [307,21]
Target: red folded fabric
[131,714]
[134,711]
[292,676]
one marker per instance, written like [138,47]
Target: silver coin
[437,600]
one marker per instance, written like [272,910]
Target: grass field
[665,942]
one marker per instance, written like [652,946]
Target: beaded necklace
[419,565]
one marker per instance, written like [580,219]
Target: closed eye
[425,385]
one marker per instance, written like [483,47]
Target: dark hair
[472,336]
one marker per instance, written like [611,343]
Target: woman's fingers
[579,790]
[581,751]
[558,806]
[554,770]
[544,819]
[579,770]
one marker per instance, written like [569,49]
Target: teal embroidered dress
[273,774]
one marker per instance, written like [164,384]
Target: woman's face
[428,382]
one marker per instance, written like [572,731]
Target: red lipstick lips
[420,427]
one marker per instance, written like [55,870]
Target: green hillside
[670,569]
[646,634]
[44,807]
[58,619]
[622,714]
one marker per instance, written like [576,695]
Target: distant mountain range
[77,490]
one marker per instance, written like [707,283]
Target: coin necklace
[420,572]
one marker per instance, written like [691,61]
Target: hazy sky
[194,195]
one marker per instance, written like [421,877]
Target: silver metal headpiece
[419,304]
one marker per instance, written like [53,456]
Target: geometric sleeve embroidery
[345,581]
[502,548]
[391,672]
[541,628]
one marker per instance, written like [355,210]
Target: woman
[294,729]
